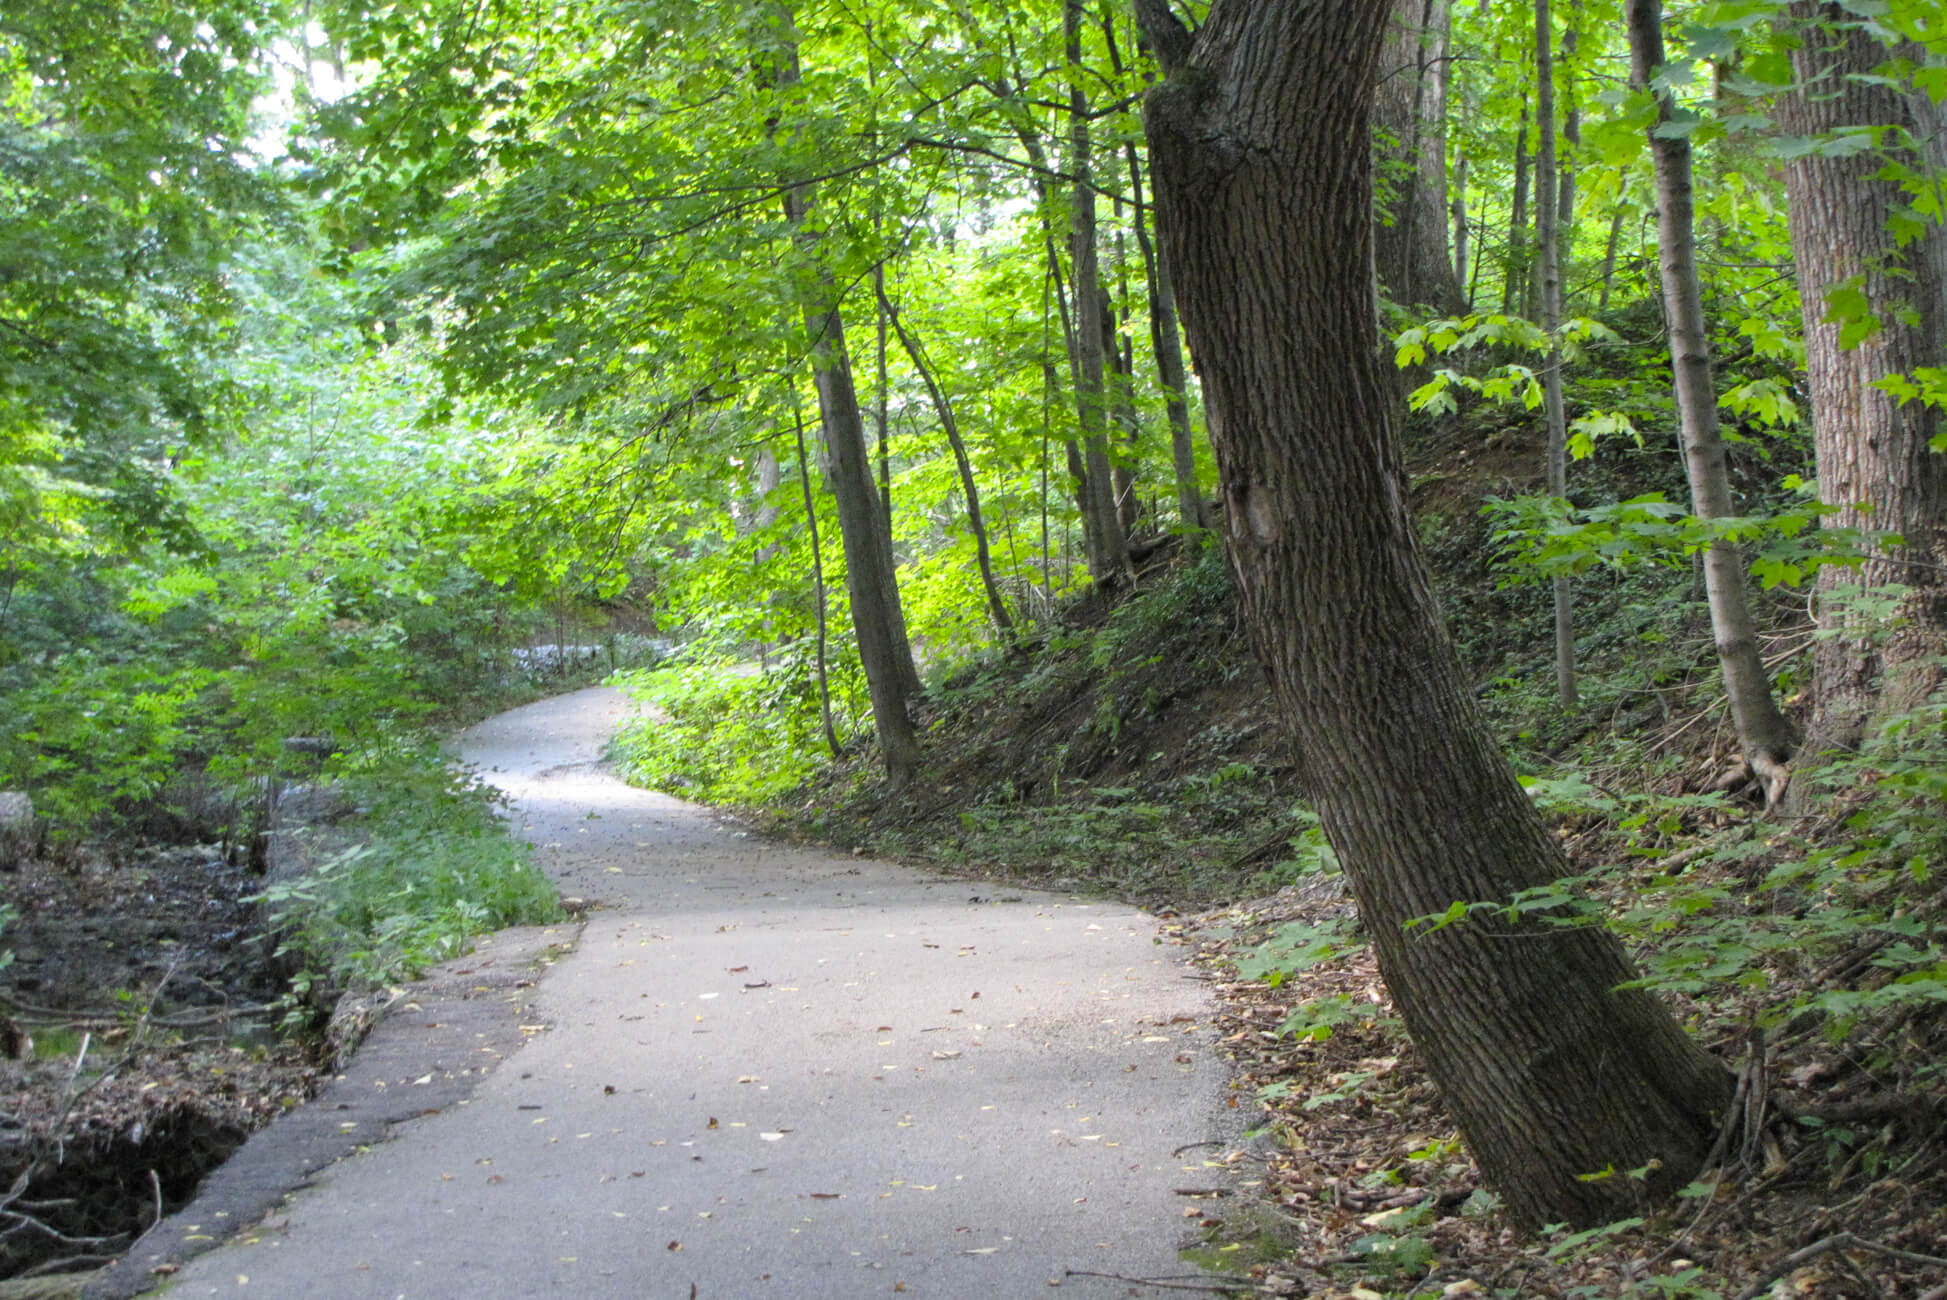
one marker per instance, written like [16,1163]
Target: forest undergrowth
[1131,749]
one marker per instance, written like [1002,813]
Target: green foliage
[1508,382]
[1542,537]
[433,868]
[95,739]
[725,734]
[1311,853]
[1295,946]
[1396,1247]
[1747,922]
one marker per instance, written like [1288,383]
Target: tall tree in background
[885,653]
[1875,303]
[1548,266]
[122,196]
[1410,117]
[1764,737]
[1561,1078]
[1108,547]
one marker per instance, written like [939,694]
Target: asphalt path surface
[767,1071]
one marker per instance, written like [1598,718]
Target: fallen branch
[1213,1283]
[1837,1241]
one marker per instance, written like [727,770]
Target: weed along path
[774,1072]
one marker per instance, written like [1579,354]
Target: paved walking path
[767,1071]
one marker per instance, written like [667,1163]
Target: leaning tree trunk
[1410,244]
[1764,737]
[885,655]
[1561,1079]
[1874,464]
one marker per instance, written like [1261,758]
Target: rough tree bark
[1874,463]
[1260,159]
[1410,245]
[1764,737]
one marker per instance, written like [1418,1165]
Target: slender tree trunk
[885,653]
[1764,737]
[996,606]
[1050,393]
[1514,290]
[1121,347]
[1561,1078]
[1874,463]
[1036,151]
[881,406]
[1571,133]
[763,512]
[1410,244]
[1164,336]
[1609,253]
[817,581]
[1460,249]
[1549,245]
[1108,550]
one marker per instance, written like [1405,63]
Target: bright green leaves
[1506,383]
[1542,537]
[1927,384]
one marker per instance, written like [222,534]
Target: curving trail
[774,1072]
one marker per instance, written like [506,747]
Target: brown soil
[138,1000]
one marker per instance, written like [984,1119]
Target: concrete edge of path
[430,1049]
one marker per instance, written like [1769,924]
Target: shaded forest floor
[1132,749]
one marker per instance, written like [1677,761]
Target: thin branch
[1837,1241]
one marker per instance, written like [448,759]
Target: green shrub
[437,868]
[727,735]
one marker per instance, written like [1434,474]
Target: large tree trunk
[1262,172]
[885,654]
[1874,463]
[1764,737]
[1410,244]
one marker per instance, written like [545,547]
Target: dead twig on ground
[1194,1282]
[1837,1241]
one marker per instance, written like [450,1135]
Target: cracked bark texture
[1260,159]
[1874,463]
